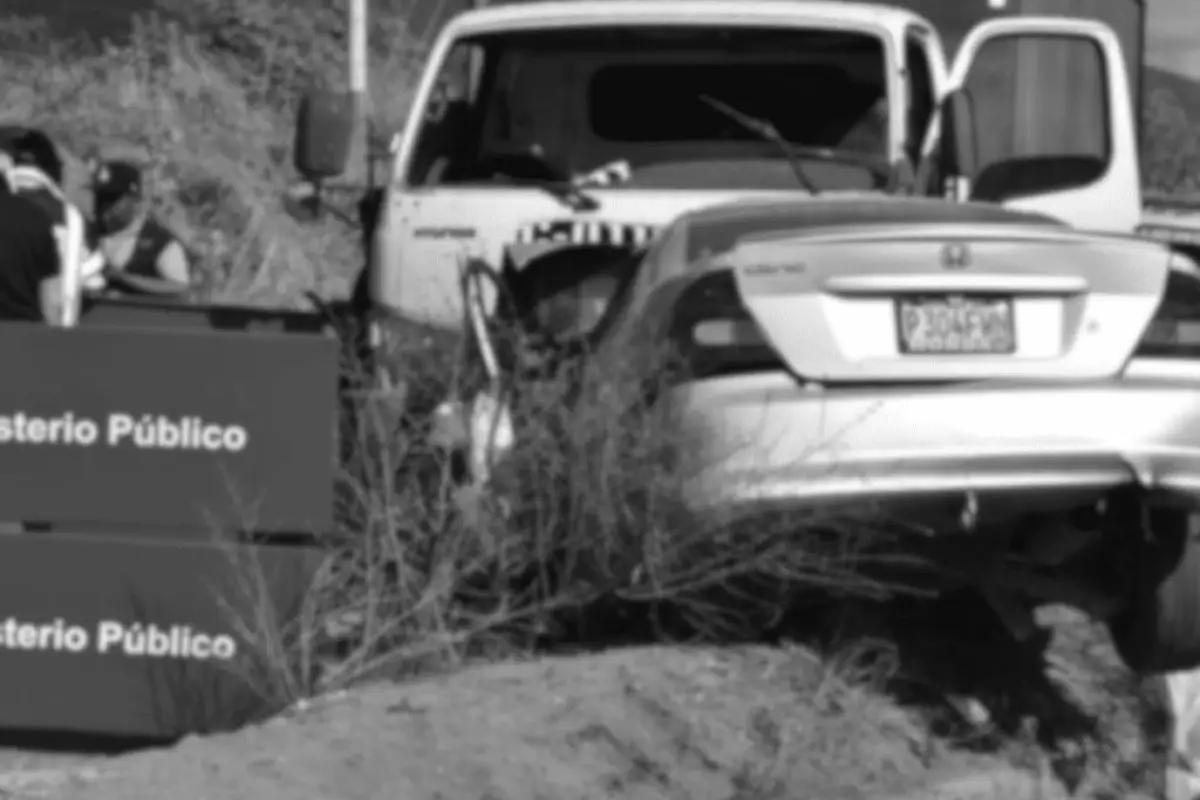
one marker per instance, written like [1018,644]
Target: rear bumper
[761,440]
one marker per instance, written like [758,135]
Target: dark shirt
[28,255]
[152,238]
[30,183]
[47,203]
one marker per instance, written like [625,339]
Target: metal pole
[358,46]
[358,28]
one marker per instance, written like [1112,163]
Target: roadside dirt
[648,723]
[31,773]
[738,723]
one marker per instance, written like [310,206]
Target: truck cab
[551,125]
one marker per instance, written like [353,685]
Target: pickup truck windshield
[561,105]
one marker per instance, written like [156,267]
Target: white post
[357,56]
[358,46]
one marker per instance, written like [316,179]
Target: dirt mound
[655,723]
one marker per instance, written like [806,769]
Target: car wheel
[1158,627]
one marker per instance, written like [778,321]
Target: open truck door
[1036,115]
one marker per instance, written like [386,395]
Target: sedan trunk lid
[949,301]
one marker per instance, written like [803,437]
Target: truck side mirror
[958,151]
[324,134]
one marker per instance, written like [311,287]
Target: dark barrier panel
[137,637]
[171,427]
[124,312]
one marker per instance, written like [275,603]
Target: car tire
[1157,629]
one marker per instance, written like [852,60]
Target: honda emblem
[956,256]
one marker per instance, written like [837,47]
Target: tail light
[713,334]
[1174,332]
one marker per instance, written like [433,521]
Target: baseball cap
[115,179]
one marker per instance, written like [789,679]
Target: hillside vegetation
[1171,150]
[206,91]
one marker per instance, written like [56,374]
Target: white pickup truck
[550,123]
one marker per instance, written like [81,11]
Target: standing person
[141,256]
[33,171]
[29,261]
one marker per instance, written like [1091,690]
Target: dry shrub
[580,540]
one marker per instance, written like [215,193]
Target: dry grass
[591,548]
[593,553]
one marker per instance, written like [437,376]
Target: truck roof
[588,13]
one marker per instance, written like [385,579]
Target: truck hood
[714,226]
[428,233]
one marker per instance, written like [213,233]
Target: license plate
[956,325]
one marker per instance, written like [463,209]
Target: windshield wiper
[564,192]
[767,131]
[570,195]
[530,167]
